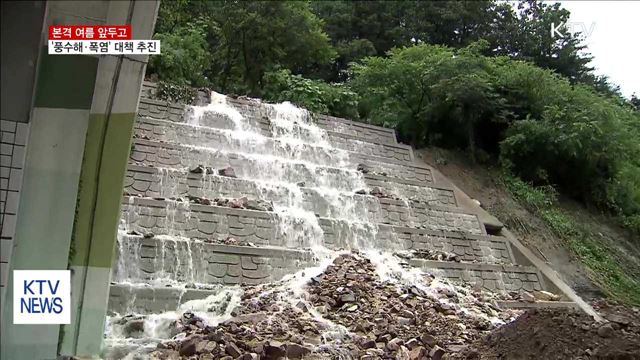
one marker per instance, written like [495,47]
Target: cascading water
[295,167]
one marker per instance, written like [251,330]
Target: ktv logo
[41,297]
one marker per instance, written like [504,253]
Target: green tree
[314,95]
[468,92]
[533,41]
[431,94]
[247,39]
[635,102]
[185,56]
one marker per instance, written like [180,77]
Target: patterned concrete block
[430,195]
[210,223]
[487,276]
[421,215]
[164,155]
[366,132]
[127,298]
[371,149]
[191,261]
[162,110]
[470,248]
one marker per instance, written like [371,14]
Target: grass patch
[598,258]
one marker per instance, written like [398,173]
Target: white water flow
[308,181]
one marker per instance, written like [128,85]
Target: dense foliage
[603,264]
[542,127]
[482,75]
[314,95]
[243,41]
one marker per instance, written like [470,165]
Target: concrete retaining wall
[154,154]
[151,182]
[487,276]
[196,262]
[421,215]
[258,227]
[126,299]
[362,131]
[471,248]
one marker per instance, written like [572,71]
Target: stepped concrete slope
[241,192]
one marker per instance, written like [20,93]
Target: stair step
[153,182]
[221,136]
[262,227]
[253,166]
[173,260]
[127,298]
[490,277]
[267,229]
[537,305]
[253,111]
[470,248]
[367,132]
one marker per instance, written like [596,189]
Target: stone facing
[487,276]
[261,228]
[151,182]
[163,110]
[179,133]
[197,262]
[418,214]
[125,299]
[200,222]
[470,248]
[166,155]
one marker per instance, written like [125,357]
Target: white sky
[614,41]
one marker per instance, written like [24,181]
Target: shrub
[184,57]
[314,95]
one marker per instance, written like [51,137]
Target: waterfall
[291,164]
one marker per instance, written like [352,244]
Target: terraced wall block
[362,131]
[200,222]
[350,143]
[394,212]
[470,248]
[430,195]
[161,110]
[405,173]
[487,276]
[126,299]
[197,262]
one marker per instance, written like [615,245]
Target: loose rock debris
[349,312]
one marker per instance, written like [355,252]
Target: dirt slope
[481,183]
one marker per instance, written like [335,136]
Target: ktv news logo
[41,297]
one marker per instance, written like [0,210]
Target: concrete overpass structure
[66,132]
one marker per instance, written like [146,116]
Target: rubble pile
[201,169]
[237,203]
[428,254]
[563,334]
[347,311]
